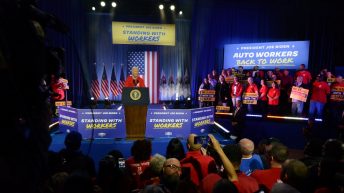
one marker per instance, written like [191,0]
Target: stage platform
[287,129]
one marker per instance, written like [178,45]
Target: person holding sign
[297,105]
[307,77]
[337,99]
[251,88]
[273,98]
[134,80]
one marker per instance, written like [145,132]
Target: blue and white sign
[284,55]
[178,122]
[93,123]
[202,120]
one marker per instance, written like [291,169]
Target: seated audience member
[175,149]
[294,177]
[267,178]
[333,149]
[78,182]
[112,178]
[297,105]
[227,164]
[200,165]
[224,186]
[72,159]
[328,170]
[264,146]
[273,98]
[171,174]
[234,154]
[139,161]
[320,90]
[152,174]
[249,161]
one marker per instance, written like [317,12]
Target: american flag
[121,80]
[95,89]
[113,84]
[147,62]
[105,84]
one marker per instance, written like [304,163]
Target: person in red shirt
[263,99]
[236,91]
[200,165]
[273,96]
[307,77]
[134,80]
[251,88]
[267,178]
[320,90]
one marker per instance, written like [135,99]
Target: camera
[203,140]
[121,163]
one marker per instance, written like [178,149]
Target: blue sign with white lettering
[93,123]
[270,55]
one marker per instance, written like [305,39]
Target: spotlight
[93,8]
[93,103]
[161,6]
[114,4]
[102,3]
[172,7]
[180,12]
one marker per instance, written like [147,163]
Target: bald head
[171,167]
[191,143]
[247,146]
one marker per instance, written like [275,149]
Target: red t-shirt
[136,169]
[274,92]
[236,89]
[252,88]
[320,90]
[248,184]
[267,177]
[307,77]
[263,89]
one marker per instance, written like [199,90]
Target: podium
[135,101]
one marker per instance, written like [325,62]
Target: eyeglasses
[172,166]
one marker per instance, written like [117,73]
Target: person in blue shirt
[249,161]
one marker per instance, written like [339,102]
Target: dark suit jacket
[239,118]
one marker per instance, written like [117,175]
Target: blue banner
[202,120]
[284,55]
[178,122]
[68,118]
[103,123]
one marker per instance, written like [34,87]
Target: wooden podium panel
[135,119]
[135,101]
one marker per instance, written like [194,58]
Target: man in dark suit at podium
[134,80]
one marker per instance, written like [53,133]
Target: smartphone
[121,163]
[203,140]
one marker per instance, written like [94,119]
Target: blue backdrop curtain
[216,23]
[200,43]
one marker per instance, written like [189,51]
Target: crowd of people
[273,90]
[200,168]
